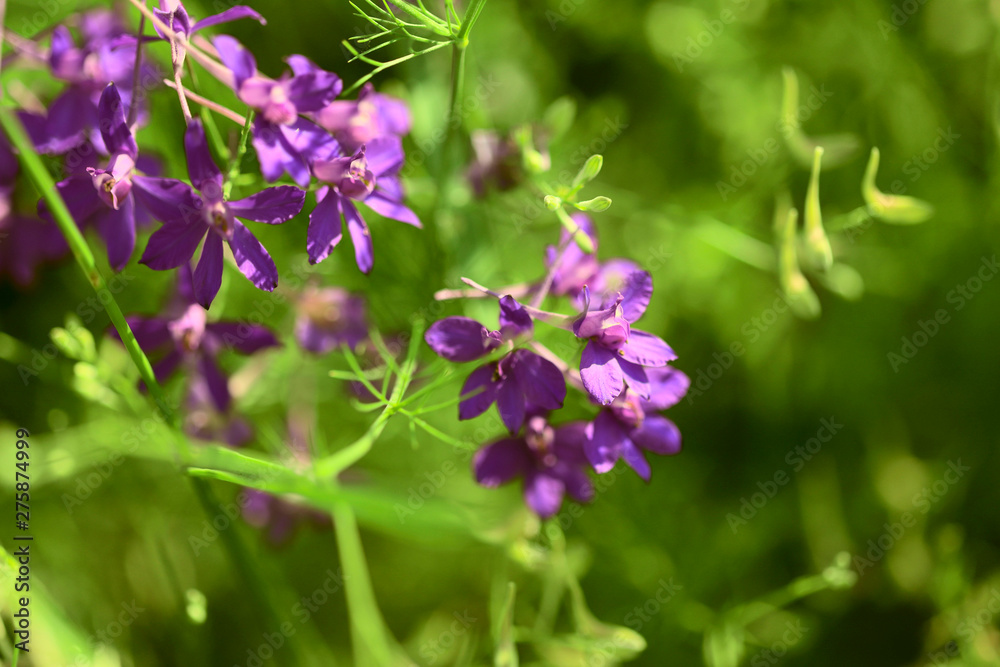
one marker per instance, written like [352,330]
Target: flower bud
[894,209]
[595,205]
[817,247]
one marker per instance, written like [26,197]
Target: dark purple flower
[204,421]
[358,122]
[174,15]
[103,197]
[521,383]
[627,427]
[496,162]
[187,339]
[190,214]
[283,140]
[615,352]
[25,243]
[550,460]
[370,176]
[328,318]
[280,516]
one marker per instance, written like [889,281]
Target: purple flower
[578,269]
[103,196]
[372,116]
[205,422]
[173,14]
[328,318]
[615,352]
[496,163]
[521,382]
[370,176]
[283,140]
[281,517]
[188,339]
[550,460]
[191,214]
[626,428]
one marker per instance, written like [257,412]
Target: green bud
[197,606]
[894,209]
[552,202]
[798,291]
[595,205]
[591,168]
[535,162]
[817,247]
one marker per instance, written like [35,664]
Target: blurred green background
[676,96]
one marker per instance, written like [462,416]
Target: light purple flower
[190,214]
[328,318]
[175,16]
[550,460]
[358,122]
[186,338]
[103,197]
[577,269]
[283,140]
[369,176]
[616,353]
[627,427]
[521,383]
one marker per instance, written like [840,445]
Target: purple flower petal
[311,88]
[602,376]
[169,200]
[218,386]
[172,245]
[245,338]
[393,114]
[80,196]
[360,236]
[276,155]
[149,332]
[510,404]
[637,291]
[252,259]
[658,435]
[482,377]
[272,205]
[646,349]
[577,484]
[69,116]
[208,273]
[325,228]
[543,494]
[635,460]
[514,319]
[204,173]
[668,387]
[501,461]
[117,228]
[231,14]
[114,130]
[570,441]
[236,58]
[385,155]
[459,339]
[175,18]
[391,208]
[636,378]
[604,446]
[541,382]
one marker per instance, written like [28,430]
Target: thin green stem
[368,629]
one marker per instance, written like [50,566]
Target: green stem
[368,629]
[81,251]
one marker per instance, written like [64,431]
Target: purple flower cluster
[622,369]
[351,147]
